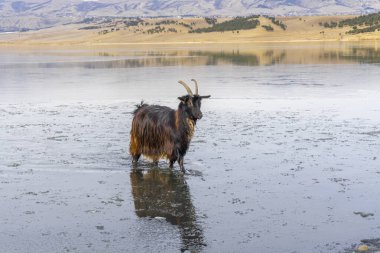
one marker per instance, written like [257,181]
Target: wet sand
[284,160]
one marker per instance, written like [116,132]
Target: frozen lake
[285,159]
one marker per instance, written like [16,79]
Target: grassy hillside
[116,31]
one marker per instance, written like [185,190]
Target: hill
[35,14]
[127,31]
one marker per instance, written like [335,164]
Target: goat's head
[192,102]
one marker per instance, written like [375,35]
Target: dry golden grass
[300,29]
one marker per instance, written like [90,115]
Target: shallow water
[287,150]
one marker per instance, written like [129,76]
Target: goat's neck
[185,124]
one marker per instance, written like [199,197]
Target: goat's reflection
[158,193]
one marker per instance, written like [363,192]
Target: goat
[161,132]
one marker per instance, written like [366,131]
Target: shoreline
[63,44]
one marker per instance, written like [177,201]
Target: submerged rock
[363,214]
[363,248]
[367,246]
[100,227]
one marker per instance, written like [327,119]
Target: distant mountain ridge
[34,14]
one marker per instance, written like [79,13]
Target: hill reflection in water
[248,55]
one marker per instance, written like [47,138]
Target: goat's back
[153,131]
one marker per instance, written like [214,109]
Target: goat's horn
[186,87]
[196,86]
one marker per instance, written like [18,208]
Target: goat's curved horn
[196,86]
[186,87]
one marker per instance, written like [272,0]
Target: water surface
[287,150]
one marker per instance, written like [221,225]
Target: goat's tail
[139,106]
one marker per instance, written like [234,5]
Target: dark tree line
[368,20]
[332,24]
[371,21]
[91,27]
[268,28]
[167,22]
[133,22]
[211,21]
[234,25]
[239,23]
[373,28]
[157,29]
[277,22]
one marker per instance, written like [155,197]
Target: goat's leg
[173,158]
[180,162]
[134,149]
[135,158]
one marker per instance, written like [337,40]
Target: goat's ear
[183,98]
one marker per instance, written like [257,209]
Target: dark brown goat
[161,132]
